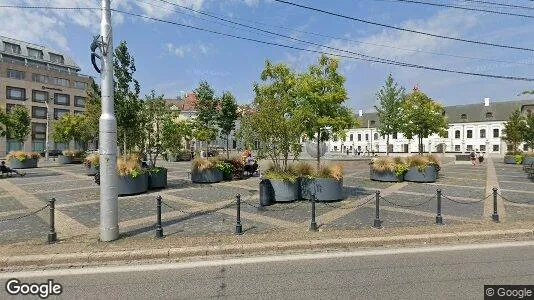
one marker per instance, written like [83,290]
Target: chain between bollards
[495,215]
[52,235]
[313,223]
[238,226]
[439,217]
[377,222]
[159,229]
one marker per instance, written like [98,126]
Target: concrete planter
[429,174]
[285,191]
[325,189]
[28,163]
[509,159]
[207,176]
[157,180]
[266,193]
[91,170]
[132,186]
[528,160]
[65,160]
[385,176]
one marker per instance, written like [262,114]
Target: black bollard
[313,223]
[238,226]
[495,215]
[439,218]
[159,229]
[52,235]
[377,222]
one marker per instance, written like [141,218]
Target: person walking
[473,157]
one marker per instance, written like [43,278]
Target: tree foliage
[70,128]
[93,110]
[389,109]
[528,134]
[156,114]
[227,117]
[513,130]
[17,122]
[422,117]
[206,105]
[174,133]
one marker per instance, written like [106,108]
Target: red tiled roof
[186,104]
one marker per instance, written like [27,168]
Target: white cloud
[182,50]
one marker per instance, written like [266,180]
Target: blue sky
[172,59]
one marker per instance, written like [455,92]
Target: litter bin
[266,193]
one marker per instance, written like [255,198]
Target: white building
[471,127]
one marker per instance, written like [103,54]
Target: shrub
[72,153]
[419,161]
[129,166]
[518,159]
[224,167]
[330,171]
[289,175]
[22,156]
[92,160]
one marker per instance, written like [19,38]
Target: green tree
[513,130]
[70,128]
[206,105]
[227,117]
[156,113]
[93,110]
[422,117]
[128,105]
[389,110]
[321,93]
[274,122]
[18,123]
[528,133]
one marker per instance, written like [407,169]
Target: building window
[58,113]
[11,48]
[55,58]
[335,148]
[80,102]
[469,134]
[351,137]
[80,85]
[234,144]
[38,131]
[350,148]
[60,81]
[482,133]
[359,137]
[457,134]
[469,148]
[14,93]
[495,148]
[394,135]
[463,117]
[496,132]
[16,74]
[376,136]
[483,148]
[366,136]
[489,115]
[34,53]
[61,146]
[13,145]
[40,78]
[38,112]
[457,148]
[62,99]
[38,145]
[373,123]
[39,96]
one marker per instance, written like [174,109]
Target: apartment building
[47,82]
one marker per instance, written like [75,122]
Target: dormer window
[11,48]
[34,53]
[55,58]
[463,117]
[489,115]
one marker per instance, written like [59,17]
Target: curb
[88,258]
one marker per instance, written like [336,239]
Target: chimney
[360,113]
[486,101]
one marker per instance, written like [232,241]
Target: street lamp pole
[109,207]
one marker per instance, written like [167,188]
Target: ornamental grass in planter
[69,157]
[513,158]
[238,167]
[204,170]
[133,179]
[284,184]
[388,169]
[421,169]
[23,160]
[91,163]
[326,183]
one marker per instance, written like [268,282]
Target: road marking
[259,259]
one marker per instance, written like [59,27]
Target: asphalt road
[437,272]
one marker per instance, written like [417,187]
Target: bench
[528,167]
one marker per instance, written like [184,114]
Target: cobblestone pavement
[207,209]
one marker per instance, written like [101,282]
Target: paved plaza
[208,210]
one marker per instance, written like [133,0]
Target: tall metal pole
[109,206]
[47,145]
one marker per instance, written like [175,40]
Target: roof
[67,61]
[478,112]
[188,103]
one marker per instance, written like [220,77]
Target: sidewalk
[87,250]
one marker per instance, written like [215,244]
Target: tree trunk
[318,150]
[387,145]
[124,142]
[227,147]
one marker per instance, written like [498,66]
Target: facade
[36,77]
[471,127]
